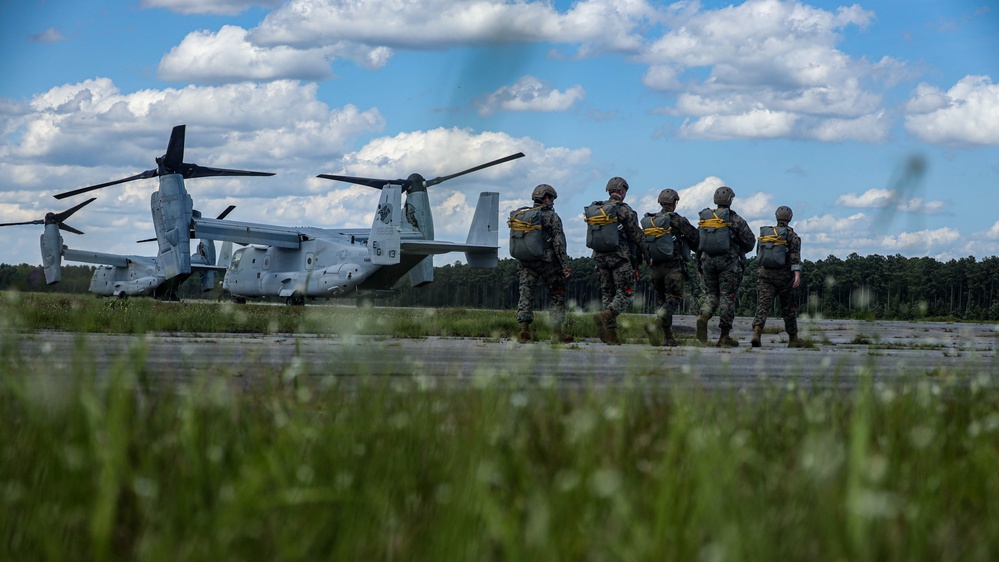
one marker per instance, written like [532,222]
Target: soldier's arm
[686,231]
[635,232]
[559,245]
[747,240]
[794,251]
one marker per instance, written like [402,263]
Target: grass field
[106,466]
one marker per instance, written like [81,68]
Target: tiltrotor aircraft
[299,263]
[117,274]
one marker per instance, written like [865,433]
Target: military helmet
[784,213]
[542,191]
[668,197]
[616,184]
[724,196]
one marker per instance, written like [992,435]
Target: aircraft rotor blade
[20,223]
[436,181]
[190,171]
[144,175]
[60,217]
[174,157]
[67,228]
[370,182]
[226,212]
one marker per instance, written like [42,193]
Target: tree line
[866,287]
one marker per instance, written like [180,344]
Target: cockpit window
[234,266]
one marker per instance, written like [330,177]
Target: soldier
[668,237]
[779,255]
[724,239]
[549,260]
[615,237]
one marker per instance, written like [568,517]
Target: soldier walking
[668,239]
[724,239]
[614,235]
[537,241]
[778,251]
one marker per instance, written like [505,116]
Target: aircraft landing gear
[296,299]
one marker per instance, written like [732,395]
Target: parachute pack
[771,247]
[527,242]
[658,241]
[715,234]
[602,226]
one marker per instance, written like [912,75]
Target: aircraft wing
[431,247]
[101,258]
[248,233]
[205,267]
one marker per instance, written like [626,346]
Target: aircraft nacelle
[51,243]
[172,210]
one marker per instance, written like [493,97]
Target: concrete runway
[843,351]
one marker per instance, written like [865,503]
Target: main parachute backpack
[658,241]
[771,247]
[715,236]
[527,242]
[602,226]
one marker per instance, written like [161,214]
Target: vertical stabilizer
[485,232]
[384,241]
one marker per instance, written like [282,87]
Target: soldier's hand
[567,272]
[636,275]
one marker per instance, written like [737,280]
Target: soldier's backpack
[658,242]
[771,247]
[714,232]
[602,226]
[527,242]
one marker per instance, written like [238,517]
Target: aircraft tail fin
[385,239]
[484,232]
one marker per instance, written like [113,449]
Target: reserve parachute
[658,241]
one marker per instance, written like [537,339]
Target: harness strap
[773,239]
[713,223]
[602,219]
[657,231]
[521,225]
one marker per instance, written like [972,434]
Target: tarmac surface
[840,353]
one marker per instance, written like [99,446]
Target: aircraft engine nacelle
[51,243]
[172,210]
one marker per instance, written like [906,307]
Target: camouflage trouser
[617,285]
[771,285]
[721,283]
[667,280]
[528,274]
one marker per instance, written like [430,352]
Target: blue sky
[821,106]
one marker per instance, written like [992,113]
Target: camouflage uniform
[616,270]
[778,283]
[668,275]
[723,274]
[550,268]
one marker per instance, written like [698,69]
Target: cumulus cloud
[773,71]
[596,25]
[890,199]
[218,7]
[529,94]
[968,113]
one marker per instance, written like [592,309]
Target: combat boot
[612,336]
[525,333]
[793,341]
[668,339]
[757,334]
[725,340]
[655,332]
[702,328]
[602,320]
[558,336]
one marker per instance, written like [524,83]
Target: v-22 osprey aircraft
[297,263]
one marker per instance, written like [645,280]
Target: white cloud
[218,7]
[529,94]
[50,35]
[774,71]
[968,113]
[433,24]
[889,199]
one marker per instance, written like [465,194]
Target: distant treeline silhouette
[868,287]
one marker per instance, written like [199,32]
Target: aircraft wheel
[239,300]
[296,299]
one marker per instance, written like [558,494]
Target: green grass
[115,466]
